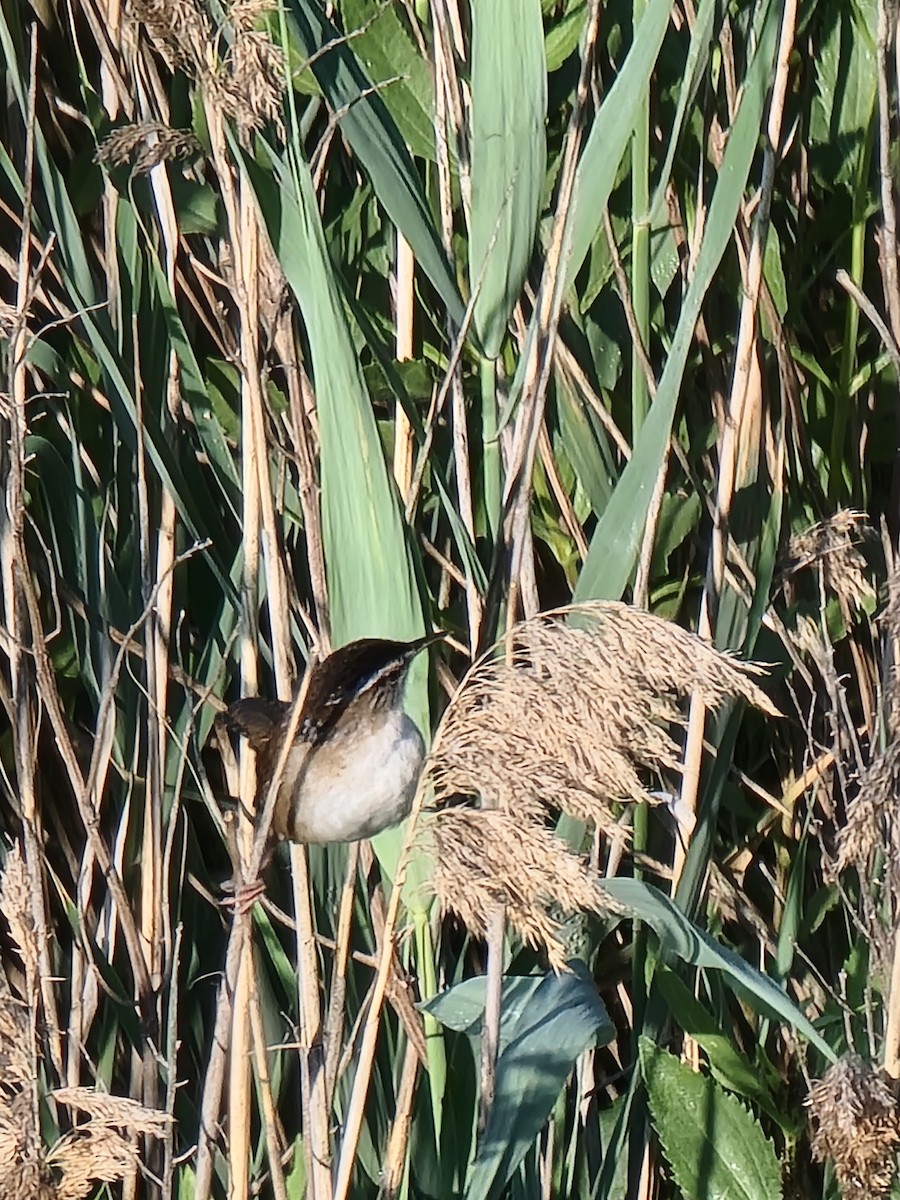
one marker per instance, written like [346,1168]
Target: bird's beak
[419,644]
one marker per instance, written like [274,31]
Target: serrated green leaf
[387,51]
[715,1147]
[729,1067]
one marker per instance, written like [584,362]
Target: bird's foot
[243,896]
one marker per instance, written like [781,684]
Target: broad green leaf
[563,36]
[370,130]
[383,45]
[614,546]
[845,81]
[679,936]
[461,1007]
[371,585]
[559,1019]
[585,445]
[509,155]
[715,1147]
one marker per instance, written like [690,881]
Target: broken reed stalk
[490,1035]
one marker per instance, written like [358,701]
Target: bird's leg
[244,892]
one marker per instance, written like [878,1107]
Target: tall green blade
[616,540]
[509,156]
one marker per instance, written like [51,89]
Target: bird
[354,765]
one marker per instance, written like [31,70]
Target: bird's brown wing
[255,719]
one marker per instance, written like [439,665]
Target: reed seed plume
[182,30]
[15,905]
[853,1111]
[145,145]
[246,81]
[832,545]
[489,859]
[573,711]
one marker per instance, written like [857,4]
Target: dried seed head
[181,28]
[256,77]
[853,1110]
[248,85]
[118,1112]
[25,1179]
[89,1155]
[832,546]
[575,712]
[104,1149]
[576,708]
[15,904]
[145,145]
[488,859]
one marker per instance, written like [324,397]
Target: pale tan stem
[398,1142]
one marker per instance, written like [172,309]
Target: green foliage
[231,424]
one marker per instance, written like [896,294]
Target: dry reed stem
[238,939]
[334,1023]
[101,1149]
[268,1114]
[734,442]
[16,586]
[398,1140]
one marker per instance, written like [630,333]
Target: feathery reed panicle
[853,1110]
[489,858]
[247,83]
[570,713]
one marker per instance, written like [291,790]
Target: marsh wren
[354,766]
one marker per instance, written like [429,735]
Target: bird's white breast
[357,783]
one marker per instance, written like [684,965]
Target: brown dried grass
[104,1148]
[832,545]
[145,145]
[247,83]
